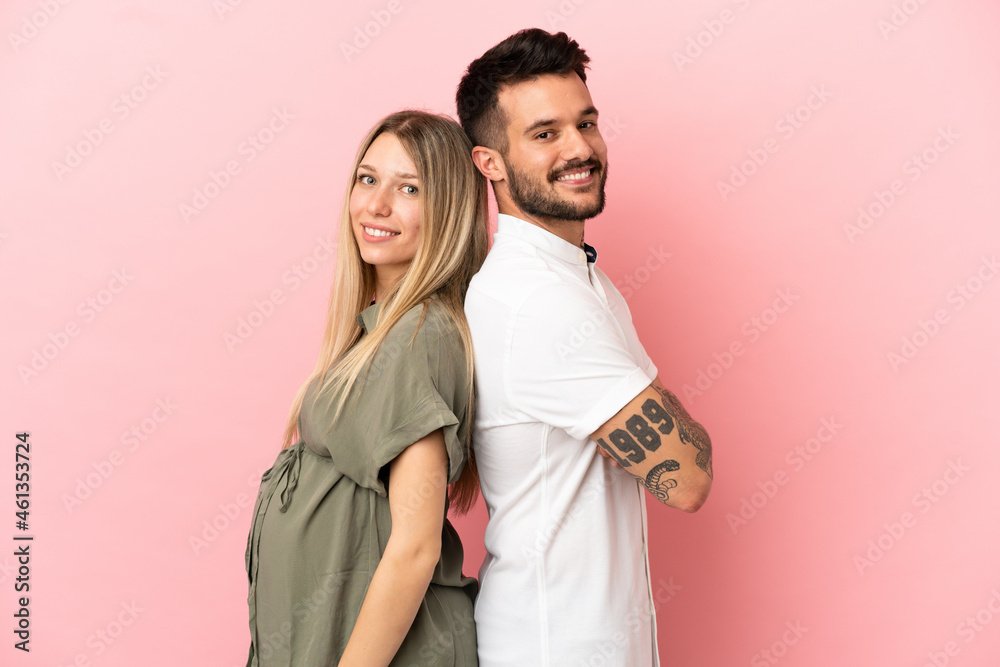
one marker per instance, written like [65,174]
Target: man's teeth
[575,177]
[379,232]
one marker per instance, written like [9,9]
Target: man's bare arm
[654,439]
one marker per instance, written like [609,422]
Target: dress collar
[368,317]
[545,240]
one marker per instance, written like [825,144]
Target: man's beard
[541,200]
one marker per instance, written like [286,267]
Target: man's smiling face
[556,160]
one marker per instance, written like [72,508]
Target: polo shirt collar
[545,240]
[368,317]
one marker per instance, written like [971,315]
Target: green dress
[321,521]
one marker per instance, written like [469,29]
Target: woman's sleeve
[417,383]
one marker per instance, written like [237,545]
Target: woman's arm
[418,482]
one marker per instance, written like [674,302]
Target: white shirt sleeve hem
[608,407]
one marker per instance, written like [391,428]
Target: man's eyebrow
[539,123]
[589,111]
[399,174]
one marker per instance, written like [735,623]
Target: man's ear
[489,162]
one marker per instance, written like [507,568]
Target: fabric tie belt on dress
[289,464]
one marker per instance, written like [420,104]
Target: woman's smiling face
[385,208]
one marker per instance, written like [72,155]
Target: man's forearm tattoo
[689,431]
[633,441]
[629,445]
[657,481]
[637,432]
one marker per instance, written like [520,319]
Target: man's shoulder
[513,275]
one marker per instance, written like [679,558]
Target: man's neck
[570,231]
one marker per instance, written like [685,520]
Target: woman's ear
[489,163]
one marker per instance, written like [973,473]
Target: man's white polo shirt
[566,575]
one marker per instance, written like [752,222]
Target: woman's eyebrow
[399,174]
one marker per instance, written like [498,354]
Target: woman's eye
[410,189]
[366,179]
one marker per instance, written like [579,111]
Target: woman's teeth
[371,231]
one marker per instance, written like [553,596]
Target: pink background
[810,111]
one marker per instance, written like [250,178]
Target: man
[562,379]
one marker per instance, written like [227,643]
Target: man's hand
[606,454]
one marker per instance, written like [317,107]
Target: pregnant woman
[351,558]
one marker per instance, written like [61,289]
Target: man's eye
[543,135]
[587,125]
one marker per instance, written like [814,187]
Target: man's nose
[576,147]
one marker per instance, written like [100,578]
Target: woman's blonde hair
[453,245]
